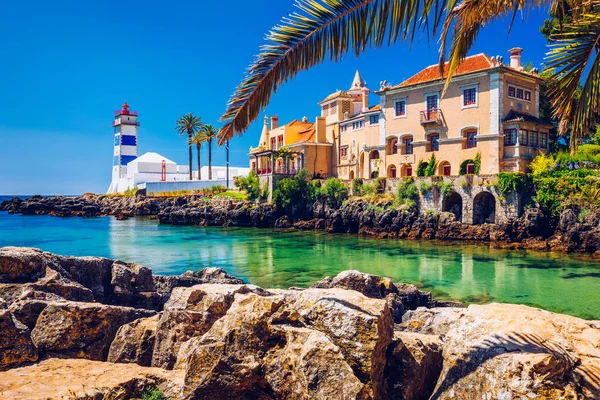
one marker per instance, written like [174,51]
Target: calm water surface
[260,256]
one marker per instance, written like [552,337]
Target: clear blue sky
[67,65]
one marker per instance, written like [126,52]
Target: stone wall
[467,197]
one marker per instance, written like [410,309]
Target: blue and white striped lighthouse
[126,146]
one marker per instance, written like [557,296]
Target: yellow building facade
[486,121]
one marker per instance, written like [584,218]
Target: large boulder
[85,379]
[504,351]
[134,342]
[191,312]
[81,330]
[243,352]
[16,347]
[20,264]
[189,278]
[414,363]
[132,285]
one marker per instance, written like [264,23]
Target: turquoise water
[462,272]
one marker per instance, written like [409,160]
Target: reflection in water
[269,259]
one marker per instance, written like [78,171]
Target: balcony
[433,116]
[120,112]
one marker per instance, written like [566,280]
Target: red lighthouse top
[125,109]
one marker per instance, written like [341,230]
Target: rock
[20,264]
[426,321]
[134,342]
[217,275]
[16,347]
[414,363]
[241,354]
[84,379]
[504,351]
[28,311]
[81,330]
[191,312]
[132,285]
[207,275]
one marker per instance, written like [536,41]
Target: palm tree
[329,29]
[188,125]
[197,140]
[209,132]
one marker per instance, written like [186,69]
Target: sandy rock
[503,351]
[134,342]
[191,312]
[189,278]
[28,311]
[435,321]
[85,379]
[414,363]
[81,330]
[16,347]
[21,264]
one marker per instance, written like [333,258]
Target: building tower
[126,146]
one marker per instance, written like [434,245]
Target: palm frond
[575,50]
[320,30]
[209,132]
[187,124]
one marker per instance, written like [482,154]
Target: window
[280,141]
[374,119]
[470,169]
[470,97]
[471,139]
[527,95]
[408,171]
[446,170]
[510,137]
[543,140]
[533,139]
[344,152]
[523,137]
[519,93]
[272,143]
[400,108]
[432,102]
[343,128]
[434,142]
[358,125]
[408,145]
[511,91]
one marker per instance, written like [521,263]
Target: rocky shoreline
[68,326]
[571,232]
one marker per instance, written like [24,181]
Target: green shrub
[407,195]
[542,164]
[421,168]
[130,192]
[477,163]
[356,185]
[334,190]
[153,394]
[297,190]
[446,187]
[218,189]
[368,189]
[380,184]
[249,184]
[425,187]
[511,182]
[432,166]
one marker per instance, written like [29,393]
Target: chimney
[321,130]
[274,122]
[365,100]
[515,58]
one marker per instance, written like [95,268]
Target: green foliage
[425,187]
[130,192]
[153,394]
[334,190]
[445,187]
[511,181]
[234,194]
[421,168]
[380,184]
[368,189]
[477,163]
[559,188]
[249,184]
[432,166]
[356,185]
[296,190]
[542,164]
[264,194]
[407,195]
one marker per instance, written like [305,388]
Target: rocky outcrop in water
[572,231]
[353,336]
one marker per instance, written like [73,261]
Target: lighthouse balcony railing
[120,112]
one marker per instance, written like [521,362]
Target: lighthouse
[125,127]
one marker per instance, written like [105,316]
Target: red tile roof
[478,62]
[375,108]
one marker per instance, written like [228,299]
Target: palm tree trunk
[198,147]
[190,151]
[210,160]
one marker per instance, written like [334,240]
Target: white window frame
[531,91]
[398,100]
[378,118]
[462,96]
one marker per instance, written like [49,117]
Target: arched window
[391,171]
[470,138]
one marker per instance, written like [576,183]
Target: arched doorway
[484,209]
[391,172]
[374,164]
[351,174]
[406,170]
[453,203]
